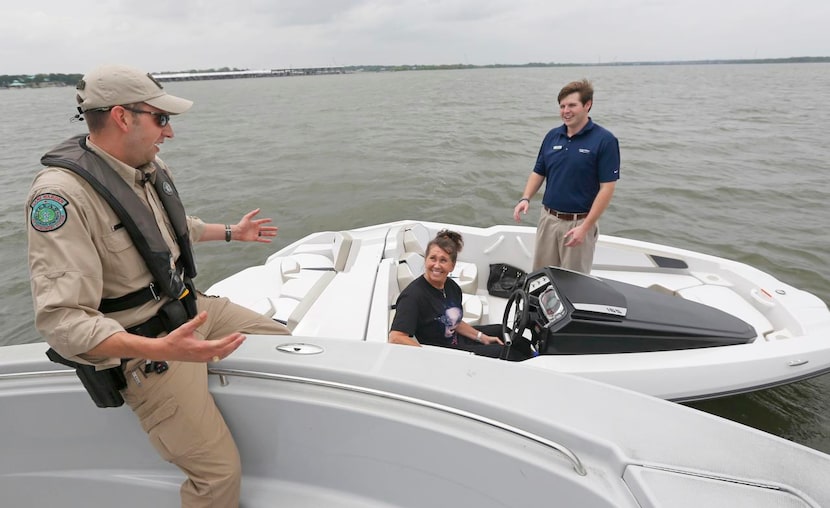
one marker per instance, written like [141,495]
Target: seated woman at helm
[429,309]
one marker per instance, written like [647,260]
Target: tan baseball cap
[116,85]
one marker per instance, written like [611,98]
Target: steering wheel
[516,316]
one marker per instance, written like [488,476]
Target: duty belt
[129,301]
[152,328]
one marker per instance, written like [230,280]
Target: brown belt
[566,216]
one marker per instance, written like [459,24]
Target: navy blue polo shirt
[574,167]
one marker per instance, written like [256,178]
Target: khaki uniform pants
[179,414]
[550,245]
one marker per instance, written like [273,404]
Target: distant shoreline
[59,80]
[798,59]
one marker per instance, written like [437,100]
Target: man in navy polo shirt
[579,162]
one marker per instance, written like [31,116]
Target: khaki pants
[179,415]
[550,245]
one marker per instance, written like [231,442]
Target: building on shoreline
[261,73]
[19,85]
[48,81]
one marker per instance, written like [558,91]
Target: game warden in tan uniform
[96,299]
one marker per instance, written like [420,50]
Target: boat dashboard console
[569,312]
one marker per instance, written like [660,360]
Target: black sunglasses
[162,118]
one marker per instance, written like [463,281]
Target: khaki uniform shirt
[90,256]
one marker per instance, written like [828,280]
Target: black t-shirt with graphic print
[430,314]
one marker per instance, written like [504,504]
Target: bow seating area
[285,287]
[320,288]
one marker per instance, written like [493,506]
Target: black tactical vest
[138,220]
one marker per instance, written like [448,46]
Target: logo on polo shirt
[584,150]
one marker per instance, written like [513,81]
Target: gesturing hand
[520,208]
[184,345]
[575,236]
[255,230]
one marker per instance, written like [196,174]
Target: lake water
[729,160]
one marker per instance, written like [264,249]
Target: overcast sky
[72,36]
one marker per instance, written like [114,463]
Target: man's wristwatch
[524,199]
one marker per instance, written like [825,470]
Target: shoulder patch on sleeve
[48,212]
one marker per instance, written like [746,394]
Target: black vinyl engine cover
[607,316]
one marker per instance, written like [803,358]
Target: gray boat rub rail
[561,449]
[37,373]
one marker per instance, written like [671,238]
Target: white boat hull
[351,300]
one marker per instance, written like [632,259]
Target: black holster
[174,314]
[102,385]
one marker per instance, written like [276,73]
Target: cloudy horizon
[72,37]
